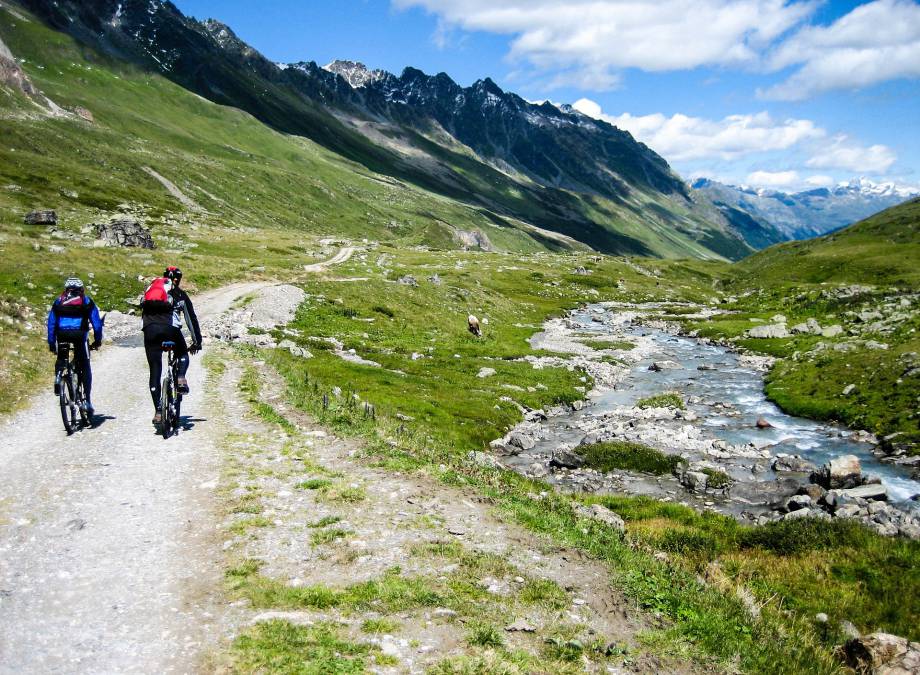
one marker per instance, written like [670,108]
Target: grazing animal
[473,324]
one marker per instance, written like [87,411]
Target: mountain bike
[170,396]
[69,388]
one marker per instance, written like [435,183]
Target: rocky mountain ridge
[524,163]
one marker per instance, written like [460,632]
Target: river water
[722,380]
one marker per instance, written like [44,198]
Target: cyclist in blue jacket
[68,321]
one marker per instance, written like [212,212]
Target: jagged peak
[354,72]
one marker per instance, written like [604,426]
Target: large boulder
[776,330]
[124,232]
[41,218]
[601,514]
[840,473]
[792,464]
[565,458]
[882,654]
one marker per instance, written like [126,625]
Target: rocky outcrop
[47,217]
[882,654]
[11,75]
[124,232]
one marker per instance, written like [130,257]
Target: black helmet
[173,273]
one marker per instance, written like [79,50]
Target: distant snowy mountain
[806,214]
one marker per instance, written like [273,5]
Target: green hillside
[883,249]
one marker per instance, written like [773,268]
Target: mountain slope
[804,214]
[883,249]
[546,167]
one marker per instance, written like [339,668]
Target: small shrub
[669,399]
[315,484]
[717,479]
[628,456]
[383,309]
[485,635]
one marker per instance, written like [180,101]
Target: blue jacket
[74,317]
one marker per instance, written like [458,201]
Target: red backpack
[157,297]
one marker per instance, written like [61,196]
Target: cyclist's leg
[153,347]
[181,351]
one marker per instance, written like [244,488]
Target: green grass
[282,647]
[628,456]
[314,484]
[485,635]
[670,399]
[380,626]
[328,535]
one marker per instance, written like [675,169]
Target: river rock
[762,423]
[521,441]
[484,459]
[776,330]
[882,653]
[41,218]
[694,480]
[124,232]
[816,492]
[797,502]
[602,514]
[792,464]
[658,366]
[566,458]
[870,492]
[841,472]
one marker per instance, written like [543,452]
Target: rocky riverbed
[740,454]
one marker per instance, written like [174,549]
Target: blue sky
[770,93]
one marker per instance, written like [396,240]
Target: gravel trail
[108,556]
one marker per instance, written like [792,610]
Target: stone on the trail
[444,613]
[407,280]
[485,372]
[124,232]
[870,492]
[581,271]
[566,458]
[882,653]
[763,423]
[520,626]
[777,330]
[841,472]
[41,218]
[601,514]
[792,464]
[658,366]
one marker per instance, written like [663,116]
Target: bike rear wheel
[68,409]
[166,394]
[81,400]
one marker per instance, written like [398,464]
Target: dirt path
[342,256]
[107,562]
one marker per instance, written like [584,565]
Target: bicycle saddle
[167,346]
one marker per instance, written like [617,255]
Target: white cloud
[820,181]
[875,42]
[681,138]
[843,153]
[773,179]
[798,143]
[588,41]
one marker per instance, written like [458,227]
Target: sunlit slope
[881,250]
